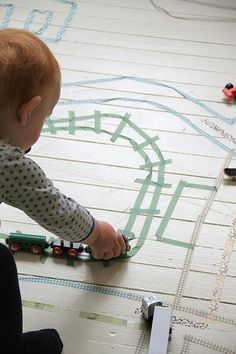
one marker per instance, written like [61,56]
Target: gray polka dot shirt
[24,185]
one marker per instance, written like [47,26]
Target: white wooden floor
[105,158]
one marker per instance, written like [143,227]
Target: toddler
[29,89]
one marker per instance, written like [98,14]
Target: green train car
[26,242]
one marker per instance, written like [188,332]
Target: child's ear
[25,110]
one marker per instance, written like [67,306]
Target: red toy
[230,91]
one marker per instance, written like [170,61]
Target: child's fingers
[113,249]
[122,244]
[117,250]
[97,254]
[108,255]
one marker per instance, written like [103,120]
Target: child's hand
[105,242]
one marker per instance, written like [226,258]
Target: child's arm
[24,185]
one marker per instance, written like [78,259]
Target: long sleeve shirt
[25,186]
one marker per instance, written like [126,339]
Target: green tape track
[149,163]
[138,147]
[83,314]
[169,212]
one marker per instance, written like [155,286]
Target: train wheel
[57,251]
[36,249]
[72,253]
[15,247]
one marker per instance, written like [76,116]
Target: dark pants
[12,340]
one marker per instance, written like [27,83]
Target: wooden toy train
[36,244]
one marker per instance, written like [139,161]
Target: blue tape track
[82,286]
[212,112]
[73,7]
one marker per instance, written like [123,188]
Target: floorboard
[159,67]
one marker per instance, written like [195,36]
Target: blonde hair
[27,66]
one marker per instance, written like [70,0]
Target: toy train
[36,244]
